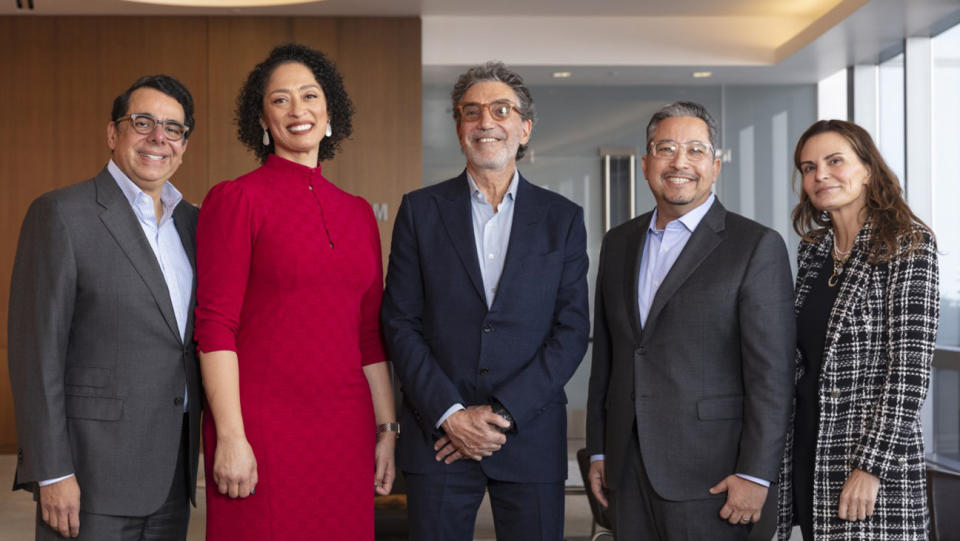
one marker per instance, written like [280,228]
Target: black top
[811,337]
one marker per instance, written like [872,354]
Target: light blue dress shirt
[165,242]
[491,235]
[661,249]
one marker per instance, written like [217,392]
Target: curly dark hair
[893,221]
[250,101]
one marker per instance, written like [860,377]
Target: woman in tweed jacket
[867,306]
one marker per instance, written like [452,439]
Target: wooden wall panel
[32,90]
[9,228]
[237,44]
[130,47]
[9,209]
[82,129]
[65,72]
[380,63]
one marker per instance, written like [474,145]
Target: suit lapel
[457,217]
[636,241]
[122,224]
[527,214]
[187,231]
[703,240]
[852,288]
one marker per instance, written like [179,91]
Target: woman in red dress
[301,422]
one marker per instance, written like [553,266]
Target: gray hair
[495,71]
[684,108]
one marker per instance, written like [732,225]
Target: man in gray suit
[692,372]
[105,381]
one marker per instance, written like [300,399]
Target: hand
[598,482]
[744,499]
[60,506]
[386,470]
[446,451]
[234,467]
[472,432]
[858,496]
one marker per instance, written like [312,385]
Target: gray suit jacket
[709,379]
[97,364]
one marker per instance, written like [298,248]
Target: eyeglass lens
[499,110]
[694,150]
[145,124]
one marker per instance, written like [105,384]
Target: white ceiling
[639,8]
[617,41]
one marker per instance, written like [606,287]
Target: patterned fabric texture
[880,341]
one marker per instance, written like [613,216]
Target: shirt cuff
[756,480]
[450,411]
[594,458]
[52,481]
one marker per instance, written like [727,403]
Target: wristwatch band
[389,427]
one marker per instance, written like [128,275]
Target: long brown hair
[891,219]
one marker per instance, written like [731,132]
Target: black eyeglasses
[499,110]
[144,124]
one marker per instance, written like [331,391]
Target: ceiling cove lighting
[562,75]
[702,74]
[224,3]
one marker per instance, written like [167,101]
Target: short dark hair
[495,71]
[685,108]
[250,101]
[167,84]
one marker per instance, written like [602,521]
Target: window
[945,50]
[891,128]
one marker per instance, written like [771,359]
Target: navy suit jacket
[447,347]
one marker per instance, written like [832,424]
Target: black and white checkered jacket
[874,375]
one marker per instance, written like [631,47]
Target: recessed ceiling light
[224,3]
[702,74]
[562,75]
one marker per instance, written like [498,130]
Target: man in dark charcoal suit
[486,318]
[105,381]
[692,375]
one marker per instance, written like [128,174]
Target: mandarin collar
[293,169]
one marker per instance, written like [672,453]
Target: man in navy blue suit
[486,318]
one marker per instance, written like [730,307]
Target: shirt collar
[478,194]
[170,197]
[690,220]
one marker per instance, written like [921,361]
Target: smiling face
[491,144]
[149,160]
[295,113]
[834,178]
[680,184]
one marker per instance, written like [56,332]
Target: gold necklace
[839,260]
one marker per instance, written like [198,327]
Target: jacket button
[902,461]
[178,401]
[483,371]
[834,393]
[487,328]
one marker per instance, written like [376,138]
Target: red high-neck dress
[289,276]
